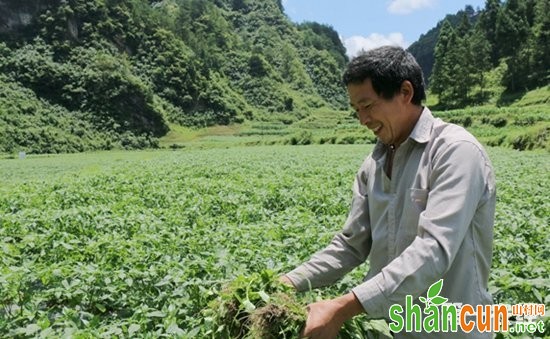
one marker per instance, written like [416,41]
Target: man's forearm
[328,265]
[348,303]
[326,317]
[349,306]
[285,280]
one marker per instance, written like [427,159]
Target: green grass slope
[523,125]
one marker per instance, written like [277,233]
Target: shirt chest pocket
[415,201]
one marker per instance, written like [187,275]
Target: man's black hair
[387,67]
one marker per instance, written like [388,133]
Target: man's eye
[360,108]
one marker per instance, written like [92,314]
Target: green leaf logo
[435,289]
[439,300]
[432,297]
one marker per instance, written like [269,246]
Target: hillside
[79,75]
[121,72]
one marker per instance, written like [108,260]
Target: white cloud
[356,44]
[408,6]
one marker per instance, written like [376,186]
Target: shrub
[464,121]
[347,139]
[497,121]
[537,138]
[302,138]
[327,140]
[525,121]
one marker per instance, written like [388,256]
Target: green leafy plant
[141,243]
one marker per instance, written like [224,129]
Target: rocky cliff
[16,15]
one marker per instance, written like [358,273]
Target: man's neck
[415,113]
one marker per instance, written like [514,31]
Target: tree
[480,62]
[464,25]
[446,79]
[324,37]
[512,32]
[540,45]
[488,23]
[511,29]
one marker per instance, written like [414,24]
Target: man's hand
[325,318]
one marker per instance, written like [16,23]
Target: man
[422,209]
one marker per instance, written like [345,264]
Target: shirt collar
[420,133]
[423,128]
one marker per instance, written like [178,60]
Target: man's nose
[364,117]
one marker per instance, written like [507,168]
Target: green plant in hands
[256,306]
[261,306]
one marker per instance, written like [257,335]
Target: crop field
[136,244]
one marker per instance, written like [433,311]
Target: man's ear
[407,91]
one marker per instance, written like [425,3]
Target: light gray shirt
[433,219]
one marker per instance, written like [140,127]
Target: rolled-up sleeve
[458,185]
[347,249]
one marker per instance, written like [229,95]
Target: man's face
[387,119]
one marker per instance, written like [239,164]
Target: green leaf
[32,329]
[439,300]
[537,294]
[156,314]
[66,284]
[264,296]
[162,283]
[435,289]
[174,329]
[101,308]
[248,306]
[422,299]
[133,329]
[193,333]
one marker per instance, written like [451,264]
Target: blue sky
[366,24]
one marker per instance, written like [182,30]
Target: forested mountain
[79,75]
[503,50]
[96,74]
[423,48]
